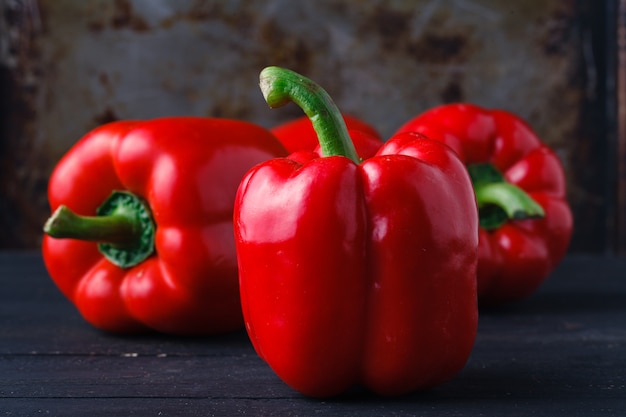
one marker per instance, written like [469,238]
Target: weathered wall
[68,66]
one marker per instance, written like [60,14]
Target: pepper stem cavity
[281,86]
[498,200]
[122,226]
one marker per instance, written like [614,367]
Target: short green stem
[498,200]
[116,229]
[281,86]
[507,198]
[123,228]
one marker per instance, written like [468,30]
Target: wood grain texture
[562,352]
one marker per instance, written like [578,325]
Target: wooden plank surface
[561,352]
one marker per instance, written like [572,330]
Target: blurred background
[67,66]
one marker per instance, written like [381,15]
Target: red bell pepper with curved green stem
[526,222]
[333,292]
[142,237]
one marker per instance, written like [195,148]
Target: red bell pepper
[334,293]
[299,135]
[526,222]
[158,195]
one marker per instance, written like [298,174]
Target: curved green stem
[116,229]
[280,86]
[499,200]
[505,198]
[123,227]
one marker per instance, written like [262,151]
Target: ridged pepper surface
[142,223]
[357,272]
[526,222]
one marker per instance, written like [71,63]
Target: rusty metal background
[67,66]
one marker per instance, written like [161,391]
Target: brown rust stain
[288,51]
[202,11]
[444,48]
[556,28]
[391,25]
[238,112]
[453,92]
[107,116]
[122,16]
[23,172]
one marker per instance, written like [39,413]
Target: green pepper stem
[123,228]
[119,229]
[498,200]
[280,86]
[510,199]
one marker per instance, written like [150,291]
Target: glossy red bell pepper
[142,235]
[299,135]
[526,222]
[334,293]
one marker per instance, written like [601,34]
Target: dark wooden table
[561,352]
